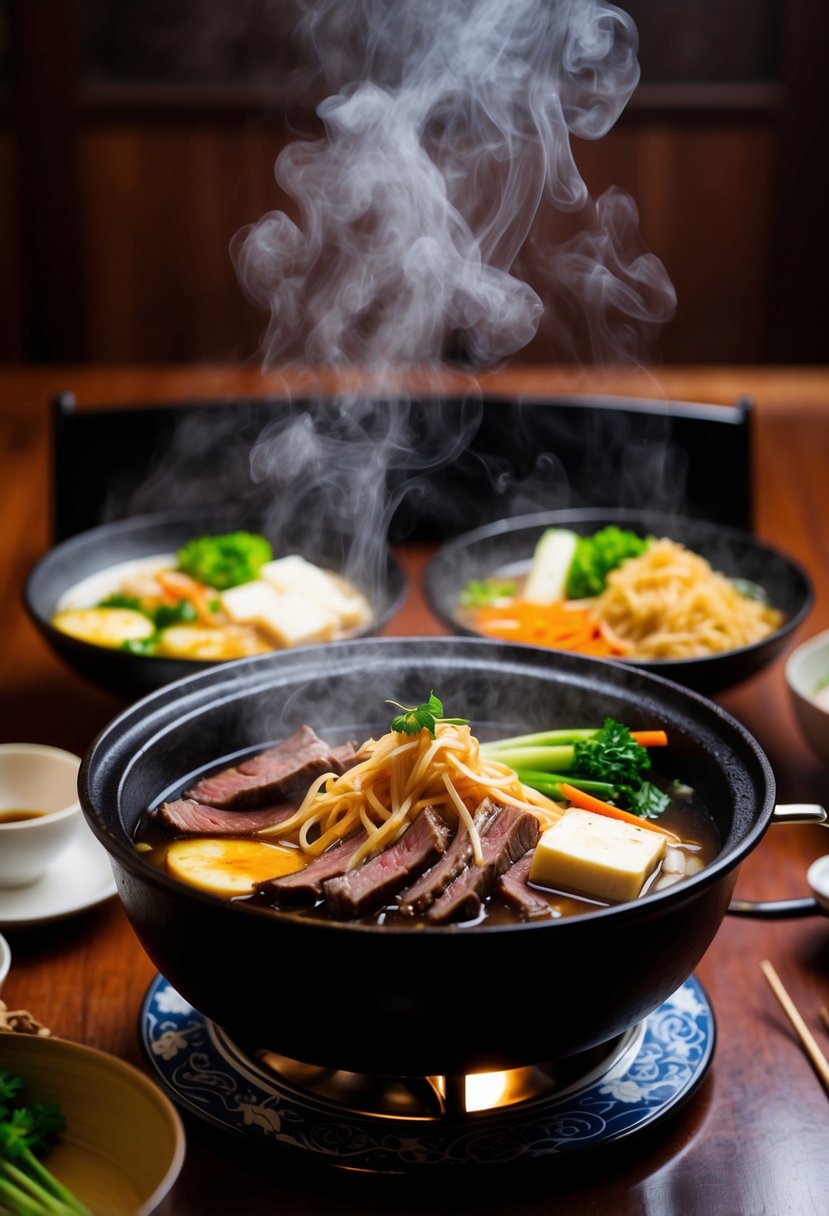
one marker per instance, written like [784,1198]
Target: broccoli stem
[544,738]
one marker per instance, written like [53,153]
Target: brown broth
[685,817]
[16,815]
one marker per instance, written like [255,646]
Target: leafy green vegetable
[117,600]
[422,717]
[607,762]
[597,555]
[480,593]
[143,646]
[225,561]
[27,1187]
[173,614]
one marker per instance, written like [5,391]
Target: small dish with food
[807,678]
[137,603]
[698,602]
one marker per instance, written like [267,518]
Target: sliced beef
[305,887]
[275,774]
[513,888]
[508,835]
[186,817]
[414,900]
[374,883]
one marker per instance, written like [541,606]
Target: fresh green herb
[607,762]
[422,717]
[597,555]
[143,646]
[27,1132]
[480,593]
[172,614]
[116,600]
[225,561]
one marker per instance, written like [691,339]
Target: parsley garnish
[422,717]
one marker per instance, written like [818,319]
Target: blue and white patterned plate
[660,1063]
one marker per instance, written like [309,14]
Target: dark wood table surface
[753,1140]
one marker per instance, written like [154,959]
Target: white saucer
[81,878]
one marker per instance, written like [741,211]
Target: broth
[685,817]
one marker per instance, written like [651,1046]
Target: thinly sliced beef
[374,883]
[275,774]
[512,887]
[425,890]
[305,887]
[508,835]
[186,817]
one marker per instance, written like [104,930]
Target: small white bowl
[806,669]
[5,960]
[34,777]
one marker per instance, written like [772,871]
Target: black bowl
[130,675]
[425,1000]
[509,544]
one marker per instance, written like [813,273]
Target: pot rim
[153,714]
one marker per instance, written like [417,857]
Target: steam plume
[448,128]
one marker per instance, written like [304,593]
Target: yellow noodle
[398,779]
[670,604]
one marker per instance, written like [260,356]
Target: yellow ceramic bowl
[124,1143]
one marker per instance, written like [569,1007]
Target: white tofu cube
[294,573]
[590,854]
[287,618]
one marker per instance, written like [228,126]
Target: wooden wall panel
[160,206]
[162,202]
[704,189]
[12,338]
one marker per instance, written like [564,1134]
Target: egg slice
[104,626]
[228,866]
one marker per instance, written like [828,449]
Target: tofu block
[289,619]
[294,573]
[589,854]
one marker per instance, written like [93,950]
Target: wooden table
[754,1139]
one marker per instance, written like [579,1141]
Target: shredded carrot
[181,586]
[650,738]
[586,802]
[558,625]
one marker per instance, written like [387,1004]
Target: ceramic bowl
[807,668]
[5,960]
[36,778]
[507,547]
[124,1143]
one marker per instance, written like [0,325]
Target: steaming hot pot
[426,1000]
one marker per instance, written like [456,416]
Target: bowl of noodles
[695,601]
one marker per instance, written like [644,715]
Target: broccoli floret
[225,561]
[597,555]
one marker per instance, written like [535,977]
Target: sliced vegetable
[480,593]
[588,802]
[229,866]
[558,625]
[109,627]
[610,756]
[550,569]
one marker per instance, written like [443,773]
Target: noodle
[670,604]
[399,777]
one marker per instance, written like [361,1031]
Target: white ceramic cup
[34,777]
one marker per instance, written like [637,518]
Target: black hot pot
[439,1000]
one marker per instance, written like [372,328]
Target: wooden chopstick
[821,1064]
[824,1016]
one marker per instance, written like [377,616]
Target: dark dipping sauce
[685,816]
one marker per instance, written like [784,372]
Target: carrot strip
[586,802]
[650,738]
